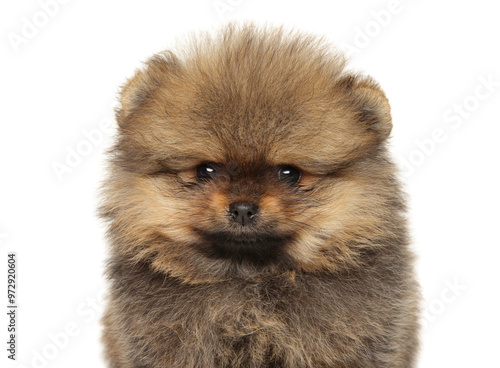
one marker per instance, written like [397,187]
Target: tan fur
[334,286]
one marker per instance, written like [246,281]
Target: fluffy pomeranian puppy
[255,217]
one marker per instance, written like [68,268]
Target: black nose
[243,212]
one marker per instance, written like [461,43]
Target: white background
[61,67]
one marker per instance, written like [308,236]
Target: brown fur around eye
[242,265]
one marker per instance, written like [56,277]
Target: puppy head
[251,151]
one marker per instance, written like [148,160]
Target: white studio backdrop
[63,61]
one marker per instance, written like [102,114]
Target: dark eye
[289,174]
[206,171]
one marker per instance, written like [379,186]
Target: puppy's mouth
[252,247]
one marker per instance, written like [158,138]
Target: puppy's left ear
[138,89]
[368,104]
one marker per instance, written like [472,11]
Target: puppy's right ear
[369,105]
[138,89]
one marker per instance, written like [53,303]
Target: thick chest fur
[276,322]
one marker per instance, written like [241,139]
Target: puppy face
[252,152]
